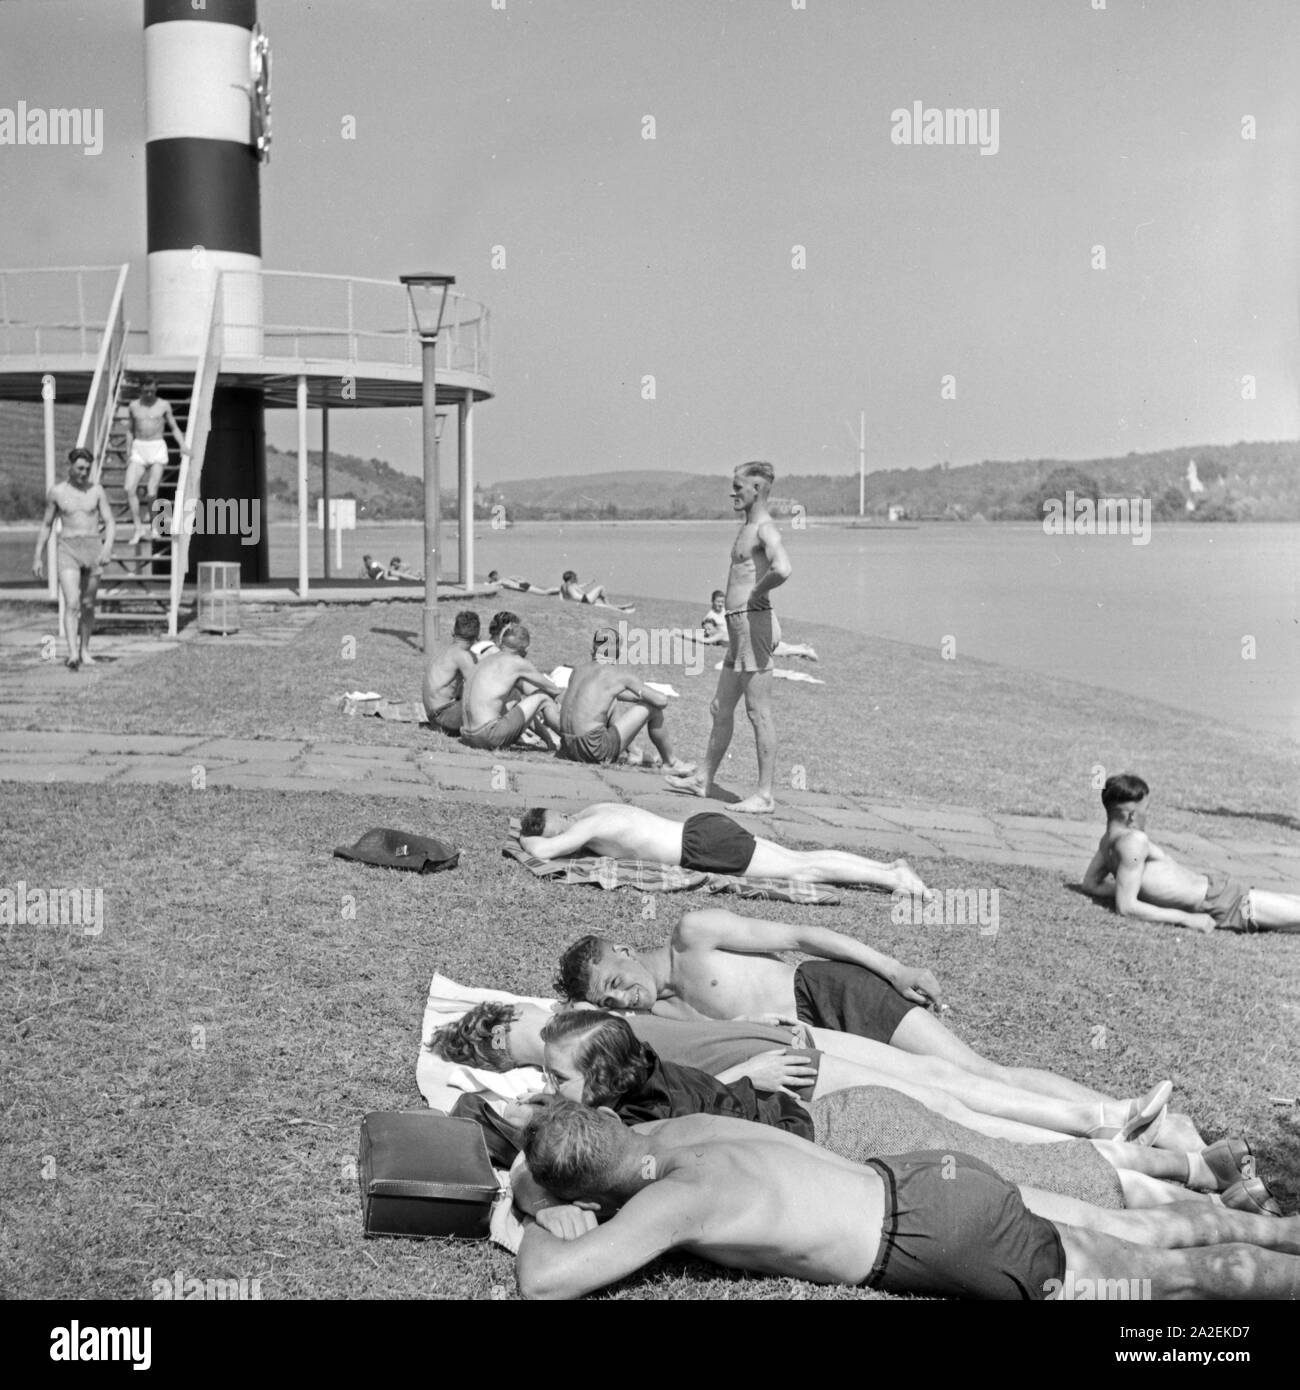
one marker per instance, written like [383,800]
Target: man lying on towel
[718,964]
[709,842]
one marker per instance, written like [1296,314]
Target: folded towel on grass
[651,877]
[364,702]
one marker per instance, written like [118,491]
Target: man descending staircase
[139,473]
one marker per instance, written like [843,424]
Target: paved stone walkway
[446,771]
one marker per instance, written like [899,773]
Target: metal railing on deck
[338,318]
[55,310]
[97,418]
[189,479]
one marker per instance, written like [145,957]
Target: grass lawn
[184,1091]
[196,1074]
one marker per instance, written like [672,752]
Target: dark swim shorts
[849,998]
[1229,902]
[498,733]
[601,745]
[954,1229]
[714,844]
[447,717]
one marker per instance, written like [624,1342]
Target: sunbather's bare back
[488,684]
[764,1200]
[590,697]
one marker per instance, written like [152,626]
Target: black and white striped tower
[202,167]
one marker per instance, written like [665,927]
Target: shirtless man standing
[754,1197]
[758,565]
[83,552]
[1151,887]
[148,418]
[444,677]
[709,842]
[487,722]
[593,726]
[718,964]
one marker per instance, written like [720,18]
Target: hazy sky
[522,127]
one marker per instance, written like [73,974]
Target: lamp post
[428,295]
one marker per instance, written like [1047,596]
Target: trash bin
[218,597]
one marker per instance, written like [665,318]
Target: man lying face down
[759,1198]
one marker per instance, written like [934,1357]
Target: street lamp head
[428,295]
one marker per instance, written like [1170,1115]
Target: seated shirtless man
[1146,884]
[709,842]
[444,676]
[718,964]
[489,720]
[754,1197]
[604,708]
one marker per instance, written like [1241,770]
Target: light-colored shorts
[149,453]
[752,637]
[81,553]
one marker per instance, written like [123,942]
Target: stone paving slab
[108,771]
[917,819]
[852,819]
[261,750]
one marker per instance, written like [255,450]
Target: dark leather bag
[424,1174]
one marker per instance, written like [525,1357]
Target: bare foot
[687,786]
[677,768]
[87,659]
[72,663]
[910,881]
[755,805]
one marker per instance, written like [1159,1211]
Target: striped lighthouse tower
[204,218]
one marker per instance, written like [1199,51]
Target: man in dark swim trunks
[605,706]
[753,1197]
[444,676]
[709,842]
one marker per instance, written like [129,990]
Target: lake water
[1204,617]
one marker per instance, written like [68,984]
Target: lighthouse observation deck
[353,339]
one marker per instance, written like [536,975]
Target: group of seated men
[493,696]
[706,1097]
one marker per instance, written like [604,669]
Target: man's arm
[530,675]
[568,841]
[551,1268]
[726,931]
[47,525]
[1131,851]
[176,429]
[636,690]
[1096,874]
[778,562]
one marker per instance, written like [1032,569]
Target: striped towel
[652,877]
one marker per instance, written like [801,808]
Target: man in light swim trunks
[709,842]
[754,1197]
[444,677]
[149,416]
[605,707]
[1146,884]
[758,565]
[489,720]
[83,552]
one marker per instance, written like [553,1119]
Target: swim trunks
[850,999]
[497,733]
[954,1229]
[149,452]
[752,638]
[81,553]
[603,745]
[447,717]
[1228,901]
[714,844]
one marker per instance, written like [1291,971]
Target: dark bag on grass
[399,849]
[424,1174]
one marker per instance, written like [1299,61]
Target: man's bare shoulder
[1130,845]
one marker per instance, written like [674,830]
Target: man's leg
[651,718]
[723,710]
[758,705]
[70,587]
[922,1033]
[86,623]
[1174,1226]
[1275,911]
[832,866]
[1233,1271]
[542,715]
[131,482]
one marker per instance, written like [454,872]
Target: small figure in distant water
[148,416]
[1146,884]
[397,570]
[595,595]
[444,676]
[83,552]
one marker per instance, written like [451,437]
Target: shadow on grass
[1264,817]
[403,634]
